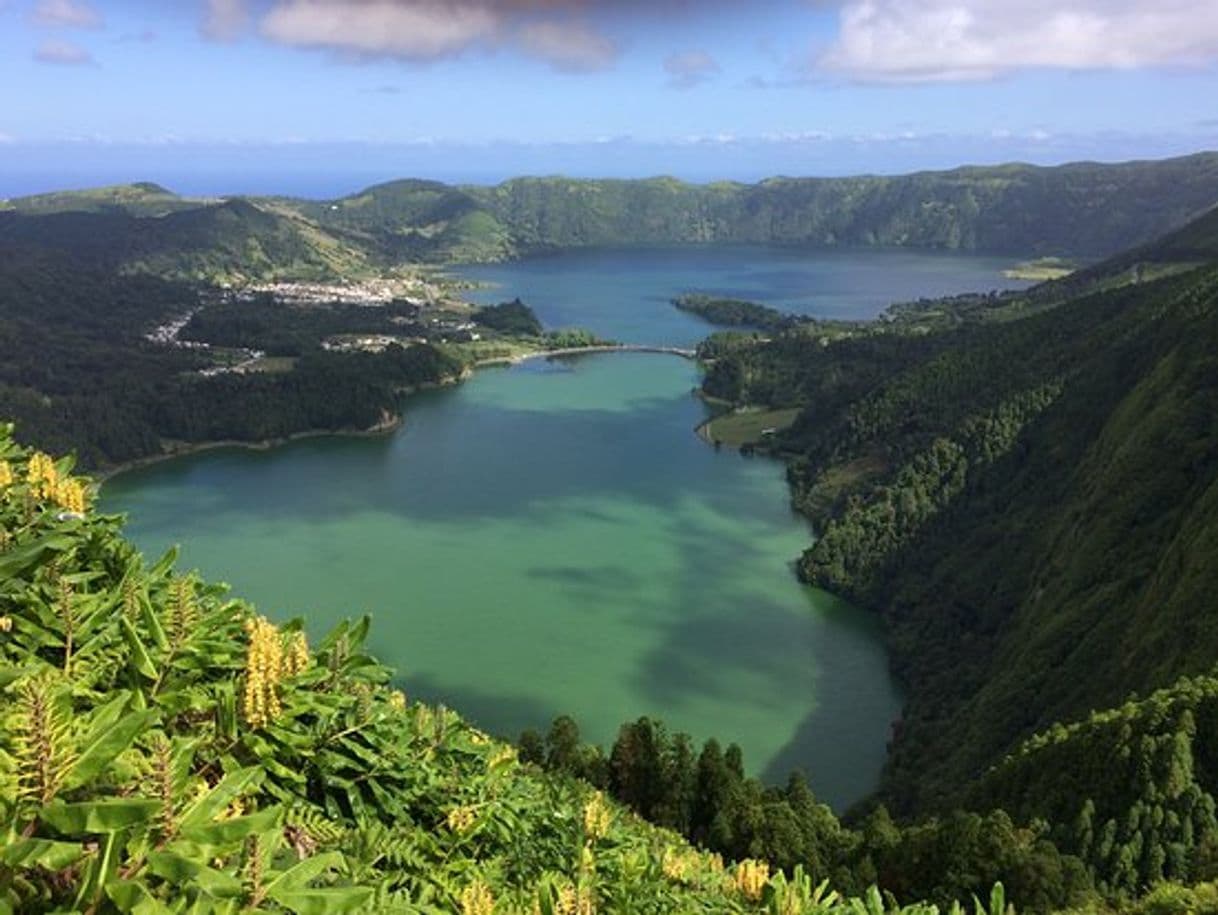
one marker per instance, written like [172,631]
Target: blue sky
[320,96]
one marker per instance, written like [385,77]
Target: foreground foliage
[164,748]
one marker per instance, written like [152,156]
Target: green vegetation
[1029,502]
[1083,210]
[748,427]
[80,375]
[232,242]
[705,796]
[512,318]
[167,749]
[734,312]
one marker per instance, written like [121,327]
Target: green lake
[553,538]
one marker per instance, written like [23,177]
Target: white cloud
[689,68]
[943,40]
[224,20]
[569,46]
[67,14]
[426,30]
[420,30]
[63,53]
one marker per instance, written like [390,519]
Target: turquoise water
[553,538]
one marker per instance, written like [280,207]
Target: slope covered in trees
[1029,503]
[1086,209]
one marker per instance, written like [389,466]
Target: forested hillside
[1083,210]
[234,241]
[1086,210]
[79,374]
[1029,503]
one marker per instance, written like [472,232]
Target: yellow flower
[297,658]
[476,899]
[677,865]
[6,475]
[263,671]
[42,476]
[574,902]
[597,817]
[6,624]
[397,700]
[70,495]
[460,819]
[751,878]
[503,756]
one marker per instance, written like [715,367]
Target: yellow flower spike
[6,475]
[505,755]
[476,899]
[6,624]
[296,660]
[397,700]
[70,495]
[751,878]
[263,671]
[597,817]
[41,475]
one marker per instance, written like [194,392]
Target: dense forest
[78,373]
[1028,502]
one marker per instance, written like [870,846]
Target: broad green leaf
[323,901]
[212,804]
[94,817]
[132,896]
[46,853]
[139,654]
[300,875]
[234,830]
[185,872]
[107,738]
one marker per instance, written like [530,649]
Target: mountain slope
[1083,209]
[1030,504]
[233,241]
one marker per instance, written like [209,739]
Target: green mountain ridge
[1029,504]
[1085,210]
[229,242]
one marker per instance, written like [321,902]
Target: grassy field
[744,427]
[1040,269]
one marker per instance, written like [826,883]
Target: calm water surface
[624,293]
[553,538]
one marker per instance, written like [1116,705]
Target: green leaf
[182,871]
[14,562]
[212,804]
[52,855]
[107,738]
[132,896]
[94,817]
[139,654]
[324,901]
[302,874]
[228,831]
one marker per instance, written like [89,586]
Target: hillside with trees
[1028,503]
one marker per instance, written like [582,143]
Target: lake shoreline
[388,424]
